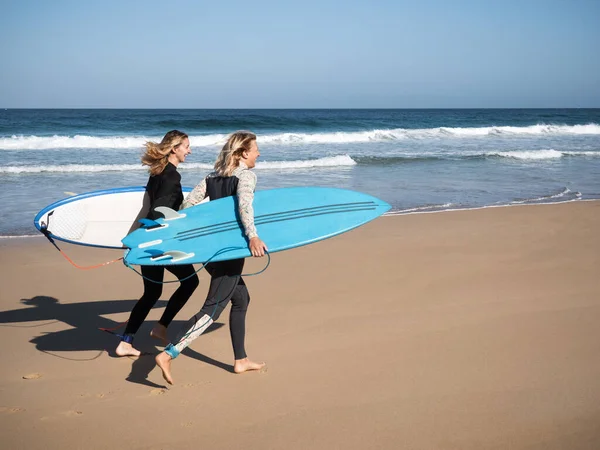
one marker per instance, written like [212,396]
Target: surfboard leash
[45,232]
[112,330]
[223,250]
[227,249]
[194,328]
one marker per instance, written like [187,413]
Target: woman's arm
[196,196]
[245,194]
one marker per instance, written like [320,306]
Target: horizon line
[300,109]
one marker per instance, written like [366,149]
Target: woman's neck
[173,159]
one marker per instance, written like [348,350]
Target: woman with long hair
[163,189]
[232,176]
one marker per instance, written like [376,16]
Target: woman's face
[183,150]
[250,156]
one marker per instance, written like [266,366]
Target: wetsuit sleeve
[245,194]
[168,194]
[196,196]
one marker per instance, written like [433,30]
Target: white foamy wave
[588,153]
[425,133]
[529,154]
[87,168]
[340,137]
[426,208]
[540,129]
[541,154]
[333,138]
[96,142]
[331,161]
[565,192]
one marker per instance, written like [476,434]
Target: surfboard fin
[175,256]
[170,214]
[147,223]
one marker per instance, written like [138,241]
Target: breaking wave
[341,137]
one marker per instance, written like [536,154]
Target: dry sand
[457,330]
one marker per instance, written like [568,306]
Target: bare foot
[244,365]
[126,349]
[164,362]
[160,332]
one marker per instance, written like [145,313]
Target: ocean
[416,160]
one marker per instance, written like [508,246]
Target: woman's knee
[152,292]
[241,299]
[191,283]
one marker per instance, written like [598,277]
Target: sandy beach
[456,330]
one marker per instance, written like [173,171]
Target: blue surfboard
[96,219]
[284,218]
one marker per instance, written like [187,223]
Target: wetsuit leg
[182,294]
[225,277]
[237,319]
[152,292]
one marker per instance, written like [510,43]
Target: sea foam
[333,161]
[335,137]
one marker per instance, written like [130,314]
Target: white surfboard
[97,219]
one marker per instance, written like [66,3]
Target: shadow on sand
[86,319]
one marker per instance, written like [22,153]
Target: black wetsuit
[226,284]
[163,189]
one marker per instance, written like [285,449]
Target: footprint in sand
[158,391]
[187,424]
[100,395]
[32,376]
[16,409]
[71,413]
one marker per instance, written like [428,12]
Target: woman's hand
[257,247]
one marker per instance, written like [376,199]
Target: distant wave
[330,161]
[542,154]
[341,137]
[73,168]
[325,162]
[427,133]
[95,142]
[333,161]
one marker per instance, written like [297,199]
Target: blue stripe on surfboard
[277,219]
[279,214]
[237,252]
[346,210]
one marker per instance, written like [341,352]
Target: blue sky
[309,54]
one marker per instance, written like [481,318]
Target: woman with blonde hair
[163,189]
[232,176]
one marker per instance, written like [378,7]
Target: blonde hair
[156,156]
[231,153]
